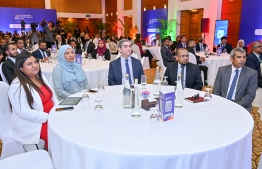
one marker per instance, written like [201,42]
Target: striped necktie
[233,86]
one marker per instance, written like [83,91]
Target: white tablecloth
[213,62]
[199,137]
[95,71]
[156,51]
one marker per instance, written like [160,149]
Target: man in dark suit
[2,48]
[166,53]
[8,66]
[59,41]
[254,60]
[183,42]
[190,72]
[41,53]
[124,65]
[200,46]
[157,41]
[224,45]
[88,45]
[237,82]
[190,47]
[19,42]
[174,45]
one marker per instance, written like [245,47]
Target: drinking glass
[103,58]
[164,84]
[100,92]
[85,101]
[89,56]
[98,113]
[143,81]
[83,60]
[208,97]
[154,121]
[225,51]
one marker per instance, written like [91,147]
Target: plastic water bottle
[136,101]
[179,93]
[157,83]
[126,95]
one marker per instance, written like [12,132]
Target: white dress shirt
[231,79]
[179,69]
[123,66]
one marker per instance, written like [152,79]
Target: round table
[198,137]
[95,71]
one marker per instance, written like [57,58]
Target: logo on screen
[16,17]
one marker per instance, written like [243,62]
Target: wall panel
[23,3]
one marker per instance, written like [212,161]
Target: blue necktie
[233,86]
[128,71]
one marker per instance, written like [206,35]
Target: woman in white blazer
[31,98]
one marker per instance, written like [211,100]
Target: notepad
[71,101]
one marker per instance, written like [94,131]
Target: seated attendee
[237,82]
[226,47]
[113,45]
[96,39]
[254,60]
[88,46]
[2,48]
[157,41]
[170,40]
[124,65]
[19,42]
[31,98]
[75,46]
[59,41]
[200,46]
[174,45]
[190,47]
[42,53]
[190,73]
[68,77]
[183,43]
[144,53]
[166,53]
[1,57]
[8,67]
[241,44]
[103,37]
[101,50]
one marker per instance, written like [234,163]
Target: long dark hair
[25,81]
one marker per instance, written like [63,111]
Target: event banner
[10,18]
[151,23]
[251,21]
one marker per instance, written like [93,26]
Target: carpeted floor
[257,132]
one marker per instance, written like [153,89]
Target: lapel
[188,68]
[175,72]
[119,69]
[134,66]
[241,79]
[227,77]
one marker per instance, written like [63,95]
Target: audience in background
[19,42]
[190,73]
[68,77]
[49,36]
[200,46]
[157,41]
[88,45]
[166,53]
[174,45]
[8,67]
[226,47]
[113,45]
[34,37]
[237,82]
[241,44]
[76,47]
[77,32]
[42,53]
[101,50]
[1,60]
[183,43]
[31,98]
[96,39]
[59,41]
[144,53]
[254,60]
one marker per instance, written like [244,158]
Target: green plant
[101,26]
[166,27]
[69,26]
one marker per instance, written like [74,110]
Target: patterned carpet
[257,132]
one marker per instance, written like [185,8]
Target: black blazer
[166,55]
[106,54]
[180,45]
[253,62]
[227,46]
[193,75]
[191,50]
[8,68]
[198,46]
[115,71]
[91,47]
[38,54]
[62,43]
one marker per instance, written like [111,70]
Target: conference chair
[144,60]
[192,59]
[52,85]
[257,102]
[2,74]
[38,159]
[9,146]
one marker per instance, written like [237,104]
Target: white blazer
[25,122]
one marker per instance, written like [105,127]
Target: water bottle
[179,93]
[157,83]
[126,95]
[135,112]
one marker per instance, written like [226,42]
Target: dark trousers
[259,83]
[149,55]
[49,44]
[204,70]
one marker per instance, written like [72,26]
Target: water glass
[208,98]
[103,58]
[154,122]
[89,56]
[143,81]
[164,84]
[83,60]
[100,92]
[85,101]
[98,113]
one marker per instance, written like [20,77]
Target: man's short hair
[72,41]
[165,39]
[17,39]
[254,44]
[158,34]
[223,37]
[179,49]
[58,36]
[121,42]
[41,41]
[183,36]
[189,41]
[7,46]
[233,52]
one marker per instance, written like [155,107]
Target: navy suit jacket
[193,75]
[253,62]
[8,68]
[115,71]
[227,46]
[198,46]
[91,47]
[38,54]
[180,45]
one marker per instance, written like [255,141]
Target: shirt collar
[256,55]
[11,58]
[234,69]
[123,59]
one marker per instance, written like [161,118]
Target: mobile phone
[92,91]
[64,108]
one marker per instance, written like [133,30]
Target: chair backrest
[52,85]
[118,55]
[134,55]
[2,74]
[5,110]
[135,49]
[261,67]
[192,58]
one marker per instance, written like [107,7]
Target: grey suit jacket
[167,56]
[246,85]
